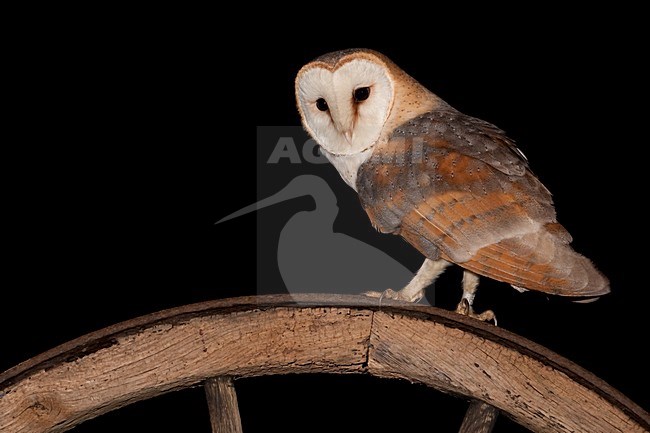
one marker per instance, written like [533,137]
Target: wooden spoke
[222,403]
[479,418]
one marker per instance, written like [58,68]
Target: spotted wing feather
[457,188]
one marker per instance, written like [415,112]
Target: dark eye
[361,94]
[321,104]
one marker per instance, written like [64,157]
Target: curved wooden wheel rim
[281,334]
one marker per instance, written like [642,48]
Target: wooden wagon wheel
[269,335]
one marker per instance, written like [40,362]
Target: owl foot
[414,290]
[466,309]
[401,295]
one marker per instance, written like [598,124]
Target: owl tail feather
[542,261]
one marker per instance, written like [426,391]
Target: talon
[418,297]
[470,284]
[392,294]
[466,310]
[388,293]
[487,316]
[463,307]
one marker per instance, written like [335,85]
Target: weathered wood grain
[222,405]
[267,335]
[536,395]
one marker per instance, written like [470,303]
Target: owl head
[347,98]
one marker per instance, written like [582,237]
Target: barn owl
[453,186]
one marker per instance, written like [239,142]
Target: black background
[130,146]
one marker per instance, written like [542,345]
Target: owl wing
[457,188]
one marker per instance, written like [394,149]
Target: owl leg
[470,285]
[414,290]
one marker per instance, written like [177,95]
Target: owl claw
[396,295]
[466,309]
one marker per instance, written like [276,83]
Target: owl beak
[349,136]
